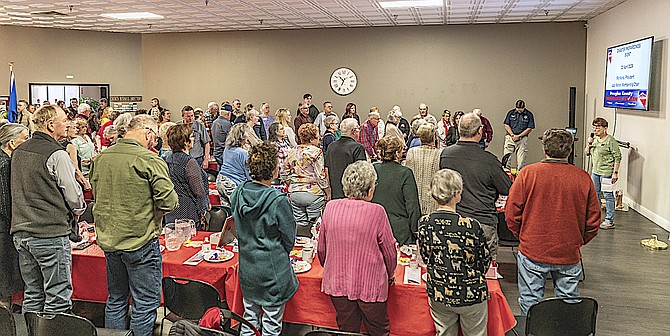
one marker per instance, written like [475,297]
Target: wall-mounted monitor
[627,75]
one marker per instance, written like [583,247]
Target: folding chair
[49,324]
[563,316]
[187,299]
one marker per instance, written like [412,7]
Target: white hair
[347,125]
[83,107]
[358,178]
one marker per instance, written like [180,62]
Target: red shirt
[104,142]
[553,209]
[368,138]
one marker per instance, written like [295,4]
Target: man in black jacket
[483,178]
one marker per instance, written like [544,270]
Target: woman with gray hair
[414,140]
[254,135]
[358,287]
[332,126]
[392,126]
[454,248]
[11,136]
[233,170]
[424,161]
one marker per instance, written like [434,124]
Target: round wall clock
[343,81]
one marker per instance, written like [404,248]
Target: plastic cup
[173,238]
[308,253]
[183,227]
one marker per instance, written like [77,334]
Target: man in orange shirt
[553,210]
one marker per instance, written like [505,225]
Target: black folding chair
[331,333]
[187,299]
[217,217]
[185,327]
[505,236]
[49,324]
[87,216]
[563,316]
[7,326]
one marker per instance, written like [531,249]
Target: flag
[11,109]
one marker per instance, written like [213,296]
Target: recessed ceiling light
[410,3]
[132,16]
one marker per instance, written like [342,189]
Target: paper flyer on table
[412,276]
[607,185]
[195,259]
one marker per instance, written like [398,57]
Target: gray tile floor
[630,282]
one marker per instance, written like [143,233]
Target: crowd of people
[375,185]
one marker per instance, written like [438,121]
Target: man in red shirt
[553,210]
[301,119]
[370,135]
[487,130]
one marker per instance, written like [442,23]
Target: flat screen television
[627,75]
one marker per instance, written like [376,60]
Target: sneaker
[606,225]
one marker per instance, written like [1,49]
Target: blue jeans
[137,273]
[46,269]
[269,317]
[533,276]
[609,196]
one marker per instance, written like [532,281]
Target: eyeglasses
[152,131]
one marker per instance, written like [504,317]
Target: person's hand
[86,184]
[515,138]
[209,206]
[615,177]
[205,163]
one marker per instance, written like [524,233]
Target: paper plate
[218,256]
[301,267]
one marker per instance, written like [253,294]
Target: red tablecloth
[408,309]
[214,199]
[89,280]
[212,165]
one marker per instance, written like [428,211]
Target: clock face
[343,81]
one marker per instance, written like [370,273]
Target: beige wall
[47,55]
[453,67]
[644,167]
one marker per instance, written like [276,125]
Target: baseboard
[650,215]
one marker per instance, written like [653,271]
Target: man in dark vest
[45,199]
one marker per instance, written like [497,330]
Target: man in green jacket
[133,190]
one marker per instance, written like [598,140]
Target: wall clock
[343,81]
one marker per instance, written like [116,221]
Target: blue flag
[11,109]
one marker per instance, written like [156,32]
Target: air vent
[49,13]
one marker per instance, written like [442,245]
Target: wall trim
[650,215]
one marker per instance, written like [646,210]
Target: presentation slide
[627,80]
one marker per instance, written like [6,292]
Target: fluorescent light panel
[132,16]
[410,3]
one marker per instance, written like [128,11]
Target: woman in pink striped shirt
[357,250]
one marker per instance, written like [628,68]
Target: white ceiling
[226,15]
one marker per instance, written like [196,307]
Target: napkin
[493,274]
[195,259]
[412,276]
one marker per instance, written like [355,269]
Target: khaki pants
[520,148]
[473,319]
